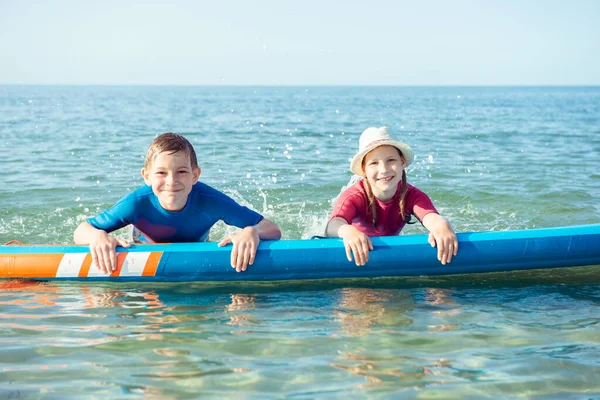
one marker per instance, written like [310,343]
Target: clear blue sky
[300,42]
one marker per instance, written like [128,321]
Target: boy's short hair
[171,143]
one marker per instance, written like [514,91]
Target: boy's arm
[102,246]
[267,230]
[245,243]
[441,235]
[355,242]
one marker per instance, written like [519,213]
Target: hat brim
[356,163]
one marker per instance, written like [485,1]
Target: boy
[174,207]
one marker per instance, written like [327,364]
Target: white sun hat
[375,137]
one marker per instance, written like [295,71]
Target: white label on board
[70,265]
[134,264]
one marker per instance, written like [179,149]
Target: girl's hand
[441,236]
[356,243]
[245,244]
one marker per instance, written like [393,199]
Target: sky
[300,42]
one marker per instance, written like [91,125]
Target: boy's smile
[383,168]
[171,177]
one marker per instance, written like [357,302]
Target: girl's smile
[383,168]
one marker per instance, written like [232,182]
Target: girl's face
[383,168]
[171,177]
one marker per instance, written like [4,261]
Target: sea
[491,159]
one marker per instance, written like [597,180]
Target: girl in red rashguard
[382,202]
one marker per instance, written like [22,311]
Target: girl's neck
[384,197]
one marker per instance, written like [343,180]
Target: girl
[381,203]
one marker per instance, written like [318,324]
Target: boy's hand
[442,235]
[103,251]
[245,244]
[356,243]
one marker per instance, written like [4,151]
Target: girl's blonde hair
[171,143]
[371,196]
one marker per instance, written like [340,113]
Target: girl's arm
[441,235]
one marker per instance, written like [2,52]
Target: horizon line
[301,85]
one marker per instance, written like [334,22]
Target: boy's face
[171,177]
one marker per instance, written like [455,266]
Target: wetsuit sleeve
[116,217]
[418,203]
[346,206]
[233,213]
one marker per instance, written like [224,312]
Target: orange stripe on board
[152,263]
[120,260]
[85,266]
[33,266]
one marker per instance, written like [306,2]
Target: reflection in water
[240,302]
[42,295]
[72,312]
[361,309]
[34,295]
[395,371]
[108,298]
[374,313]
[158,331]
[442,297]
[178,341]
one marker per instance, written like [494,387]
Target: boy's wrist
[252,230]
[100,236]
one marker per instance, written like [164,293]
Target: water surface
[491,158]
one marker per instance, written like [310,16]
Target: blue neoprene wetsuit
[205,206]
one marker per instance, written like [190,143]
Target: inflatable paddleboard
[312,259]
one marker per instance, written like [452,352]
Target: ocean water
[491,158]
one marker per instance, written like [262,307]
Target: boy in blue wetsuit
[174,207]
